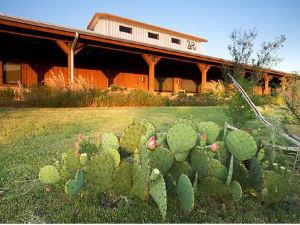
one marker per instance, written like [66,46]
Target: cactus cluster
[189,158]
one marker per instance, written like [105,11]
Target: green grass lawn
[32,138]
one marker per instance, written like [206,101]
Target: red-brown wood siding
[131,80]
[1,73]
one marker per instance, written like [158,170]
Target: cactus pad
[71,161]
[255,174]
[211,130]
[187,122]
[274,188]
[130,141]
[140,186]
[212,186]
[159,194]
[181,138]
[236,190]
[217,170]
[72,187]
[241,144]
[161,159]
[122,178]
[109,141]
[49,175]
[240,173]
[179,168]
[99,173]
[115,155]
[185,193]
[199,161]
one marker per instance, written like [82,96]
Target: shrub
[49,97]
[205,99]
[7,96]
[131,98]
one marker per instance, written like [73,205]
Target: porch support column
[66,48]
[283,83]
[151,60]
[267,79]
[203,69]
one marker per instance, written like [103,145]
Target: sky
[213,20]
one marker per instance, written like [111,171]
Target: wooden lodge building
[113,50]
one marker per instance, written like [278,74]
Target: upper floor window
[176,41]
[152,35]
[11,73]
[125,29]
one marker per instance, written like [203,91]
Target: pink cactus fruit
[152,143]
[214,147]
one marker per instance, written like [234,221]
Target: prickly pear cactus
[181,138]
[255,174]
[223,154]
[99,173]
[212,186]
[236,190]
[114,154]
[158,191]
[73,186]
[49,175]
[240,173]
[122,178]
[211,130]
[86,146]
[274,187]
[185,192]
[187,122]
[130,141]
[199,161]
[170,184]
[140,183]
[217,170]
[71,162]
[241,144]
[161,138]
[83,159]
[109,141]
[162,159]
[179,168]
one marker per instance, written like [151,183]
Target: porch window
[11,72]
[152,35]
[125,29]
[176,41]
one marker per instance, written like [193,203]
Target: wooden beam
[78,48]
[203,69]
[63,47]
[151,60]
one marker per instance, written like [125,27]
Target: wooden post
[283,83]
[267,79]
[151,60]
[203,69]
[67,50]
[176,84]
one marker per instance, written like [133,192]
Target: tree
[242,52]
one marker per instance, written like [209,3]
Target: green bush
[7,96]
[132,98]
[204,99]
[49,97]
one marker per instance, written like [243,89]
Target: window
[11,73]
[125,29]
[176,41]
[152,35]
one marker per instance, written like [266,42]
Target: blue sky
[210,19]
